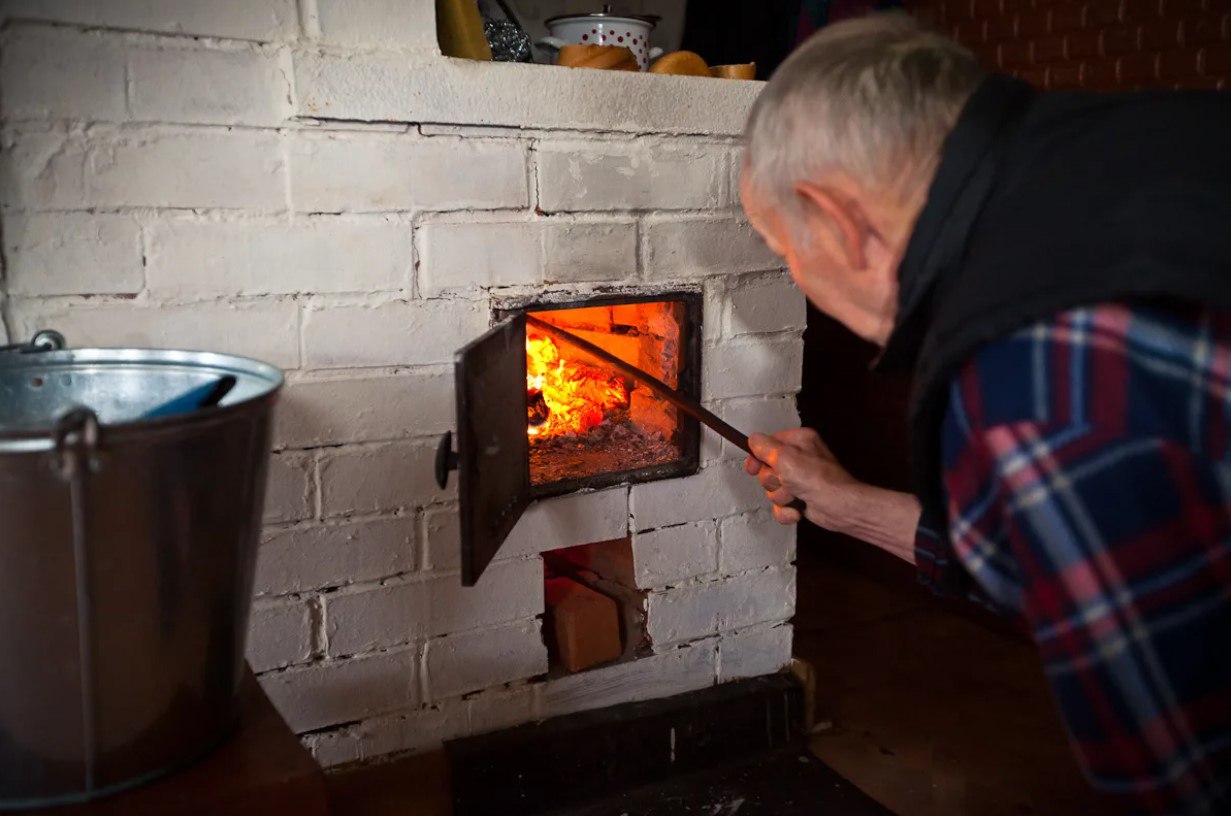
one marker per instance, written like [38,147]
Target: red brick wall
[1100,45]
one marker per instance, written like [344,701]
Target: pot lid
[606,13]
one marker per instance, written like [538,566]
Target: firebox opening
[595,615]
[590,425]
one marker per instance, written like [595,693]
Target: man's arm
[796,464]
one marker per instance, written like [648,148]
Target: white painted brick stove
[312,184]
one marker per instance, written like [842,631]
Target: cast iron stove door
[492,445]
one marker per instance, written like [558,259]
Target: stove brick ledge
[676,671]
[406,87]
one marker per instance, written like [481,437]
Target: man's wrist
[857,506]
[885,518]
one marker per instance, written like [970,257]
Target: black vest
[1048,202]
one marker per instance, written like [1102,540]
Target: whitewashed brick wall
[160,186]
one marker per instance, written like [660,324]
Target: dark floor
[787,782]
[933,712]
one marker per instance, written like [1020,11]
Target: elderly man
[1056,268]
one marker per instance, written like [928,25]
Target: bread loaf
[610,57]
[681,63]
[747,70]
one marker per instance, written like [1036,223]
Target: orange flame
[576,395]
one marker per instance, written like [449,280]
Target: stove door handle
[446,459]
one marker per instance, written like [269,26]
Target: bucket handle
[45,340]
[77,438]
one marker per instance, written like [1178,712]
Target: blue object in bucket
[205,396]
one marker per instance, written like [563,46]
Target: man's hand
[796,464]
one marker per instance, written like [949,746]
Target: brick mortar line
[344,375]
[561,134]
[743,341]
[407,578]
[204,42]
[427,439]
[420,643]
[294,124]
[226,216]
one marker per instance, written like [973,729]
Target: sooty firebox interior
[591,426]
[538,416]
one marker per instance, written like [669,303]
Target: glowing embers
[588,424]
[567,396]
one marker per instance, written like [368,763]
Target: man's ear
[843,214]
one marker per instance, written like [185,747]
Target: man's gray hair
[874,97]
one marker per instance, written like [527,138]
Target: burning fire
[566,396]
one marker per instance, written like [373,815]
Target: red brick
[969,33]
[1083,45]
[1069,17]
[987,56]
[1031,23]
[1201,84]
[1011,7]
[1048,49]
[1064,77]
[1201,29]
[1160,35]
[1178,8]
[1118,41]
[986,8]
[1101,75]
[1101,13]
[1179,65]
[958,10]
[1014,55]
[585,624]
[1035,76]
[1140,11]
[1217,61]
[1000,28]
[1138,69]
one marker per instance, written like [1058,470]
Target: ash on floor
[615,445]
[782,783]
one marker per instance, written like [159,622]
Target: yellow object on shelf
[746,70]
[611,57]
[459,30]
[681,63]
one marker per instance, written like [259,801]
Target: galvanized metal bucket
[127,548]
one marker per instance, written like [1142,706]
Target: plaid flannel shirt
[1086,464]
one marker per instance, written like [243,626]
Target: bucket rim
[34,438]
